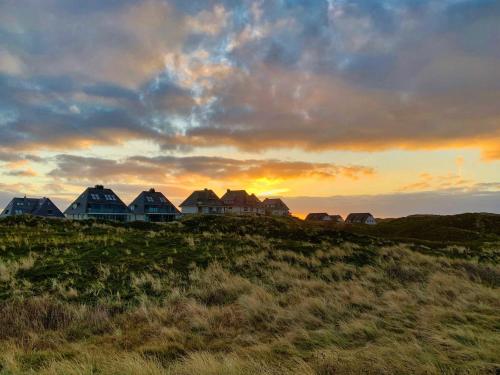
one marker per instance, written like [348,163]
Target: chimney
[152,190]
[228,190]
[99,187]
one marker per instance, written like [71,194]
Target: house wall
[189,210]
[205,210]
[370,221]
[278,212]
[238,210]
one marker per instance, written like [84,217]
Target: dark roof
[152,199]
[32,206]
[240,198]
[99,200]
[204,197]
[358,217]
[315,216]
[337,218]
[275,203]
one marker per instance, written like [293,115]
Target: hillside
[468,228]
[235,295]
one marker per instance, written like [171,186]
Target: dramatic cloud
[319,74]
[164,168]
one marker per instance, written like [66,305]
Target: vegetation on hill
[469,228]
[234,295]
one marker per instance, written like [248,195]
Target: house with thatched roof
[275,207]
[318,216]
[239,202]
[361,218]
[202,202]
[323,216]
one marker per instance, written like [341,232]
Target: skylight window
[149,199]
[163,200]
[95,196]
[110,197]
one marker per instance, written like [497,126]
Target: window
[74,206]
[109,197]
[19,212]
[95,197]
[132,208]
[149,199]
[20,203]
[163,200]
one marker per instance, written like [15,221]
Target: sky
[388,106]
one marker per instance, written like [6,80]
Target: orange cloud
[199,169]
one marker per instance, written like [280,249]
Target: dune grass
[237,296]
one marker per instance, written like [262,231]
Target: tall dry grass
[271,312]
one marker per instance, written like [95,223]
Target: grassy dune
[242,296]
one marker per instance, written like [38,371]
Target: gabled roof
[152,199]
[358,217]
[204,197]
[97,196]
[337,218]
[318,216]
[32,206]
[240,198]
[275,203]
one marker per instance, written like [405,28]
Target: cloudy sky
[391,106]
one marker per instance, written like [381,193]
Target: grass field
[231,295]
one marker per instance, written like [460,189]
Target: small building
[360,218]
[318,216]
[98,203]
[239,202]
[202,202]
[275,207]
[43,207]
[337,219]
[152,206]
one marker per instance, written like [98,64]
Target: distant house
[318,216]
[152,206]
[32,206]
[360,218]
[337,219]
[240,202]
[202,202]
[275,207]
[98,203]
[323,216]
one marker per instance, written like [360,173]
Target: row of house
[354,218]
[99,202]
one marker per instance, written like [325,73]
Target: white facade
[238,210]
[206,210]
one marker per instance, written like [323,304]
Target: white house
[239,202]
[202,202]
[275,207]
[361,218]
